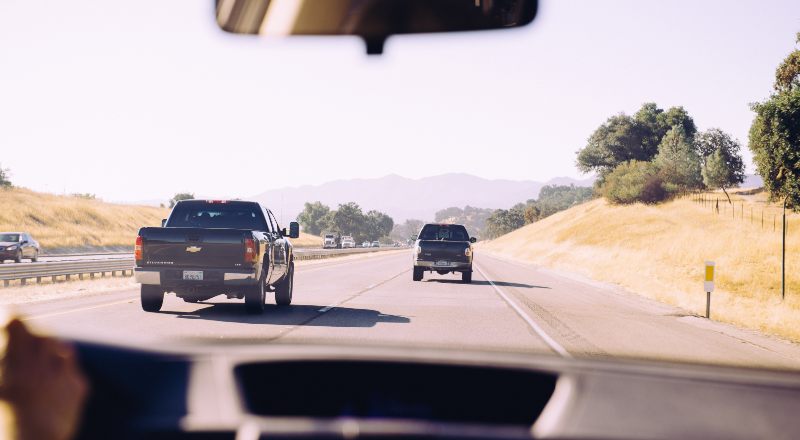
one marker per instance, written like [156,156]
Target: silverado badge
[193,249]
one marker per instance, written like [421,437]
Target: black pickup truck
[443,248]
[209,247]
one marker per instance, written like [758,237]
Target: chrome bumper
[452,265]
[147,276]
[153,276]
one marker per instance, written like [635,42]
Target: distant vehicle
[365,244]
[18,245]
[210,247]
[331,241]
[348,242]
[376,243]
[443,248]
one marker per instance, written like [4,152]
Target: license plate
[194,275]
[442,263]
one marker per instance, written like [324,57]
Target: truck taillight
[468,251]
[137,250]
[249,250]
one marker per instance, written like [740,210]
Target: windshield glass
[9,238]
[627,168]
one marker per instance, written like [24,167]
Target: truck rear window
[217,215]
[444,232]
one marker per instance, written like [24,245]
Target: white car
[365,244]
[376,243]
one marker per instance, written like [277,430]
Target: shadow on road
[302,315]
[486,283]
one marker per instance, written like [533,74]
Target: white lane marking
[555,346]
[368,288]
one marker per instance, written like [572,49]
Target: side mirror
[473,239]
[163,222]
[414,237]
[294,230]
[24,242]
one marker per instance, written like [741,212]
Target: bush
[634,181]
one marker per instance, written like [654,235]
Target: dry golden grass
[659,252]
[73,222]
[307,241]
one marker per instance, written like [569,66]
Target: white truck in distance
[348,242]
[330,241]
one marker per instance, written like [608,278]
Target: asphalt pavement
[373,300]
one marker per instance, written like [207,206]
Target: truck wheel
[418,274]
[35,257]
[466,277]
[283,291]
[152,298]
[255,297]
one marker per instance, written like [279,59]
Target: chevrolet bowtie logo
[193,249]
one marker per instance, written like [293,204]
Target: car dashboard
[286,391]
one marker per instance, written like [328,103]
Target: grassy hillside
[73,222]
[659,252]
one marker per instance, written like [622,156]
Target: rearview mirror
[473,239]
[372,20]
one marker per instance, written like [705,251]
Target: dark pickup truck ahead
[443,248]
[210,247]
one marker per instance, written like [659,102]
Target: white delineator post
[708,286]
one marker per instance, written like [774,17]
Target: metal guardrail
[53,269]
[124,265]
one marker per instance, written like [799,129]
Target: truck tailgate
[434,250]
[193,247]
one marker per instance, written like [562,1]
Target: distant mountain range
[403,198]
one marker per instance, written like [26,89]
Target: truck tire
[418,274]
[466,277]
[283,291]
[255,297]
[35,257]
[152,298]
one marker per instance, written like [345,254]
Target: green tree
[5,178]
[178,197]
[348,219]
[677,161]
[503,221]
[313,217]
[787,76]
[623,138]
[618,140]
[721,161]
[676,116]
[377,225]
[775,134]
[634,181]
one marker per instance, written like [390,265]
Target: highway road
[372,300]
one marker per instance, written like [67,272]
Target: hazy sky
[136,100]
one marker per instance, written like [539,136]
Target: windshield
[9,238]
[627,168]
